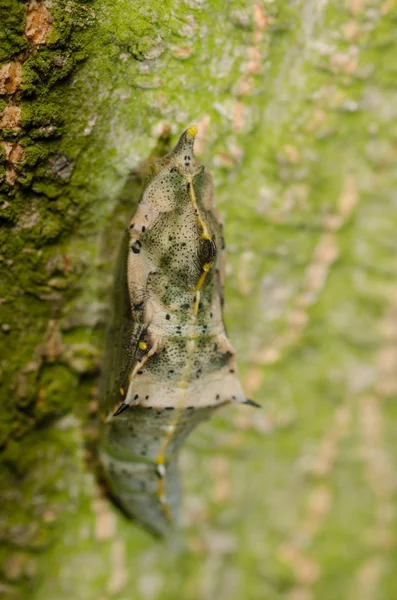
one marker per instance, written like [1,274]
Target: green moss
[36,114]
[12,40]
[47,67]
[59,387]
[33,153]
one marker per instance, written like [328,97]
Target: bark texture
[295,103]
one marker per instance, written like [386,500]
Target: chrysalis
[168,362]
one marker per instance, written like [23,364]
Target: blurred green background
[296,108]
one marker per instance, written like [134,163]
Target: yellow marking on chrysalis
[160,492]
[163,501]
[122,392]
[142,345]
[139,364]
[196,303]
[203,275]
[192,130]
[192,196]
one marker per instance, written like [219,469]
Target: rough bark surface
[295,102]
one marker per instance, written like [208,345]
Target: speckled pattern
[168,363]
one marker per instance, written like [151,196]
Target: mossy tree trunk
[296,107]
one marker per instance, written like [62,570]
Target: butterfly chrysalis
[168,362]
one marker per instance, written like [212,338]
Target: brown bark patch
[10,77]
[13,156]
[10,118]
[38,22]
[13,152]
[11,176]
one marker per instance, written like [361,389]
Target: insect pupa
[168,362]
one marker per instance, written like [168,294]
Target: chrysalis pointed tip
[252,403]
[192,131]
[121,409]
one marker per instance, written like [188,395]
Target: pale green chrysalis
[168,362]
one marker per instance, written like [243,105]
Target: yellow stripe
[192,196]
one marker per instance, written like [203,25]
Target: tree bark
[295,104]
